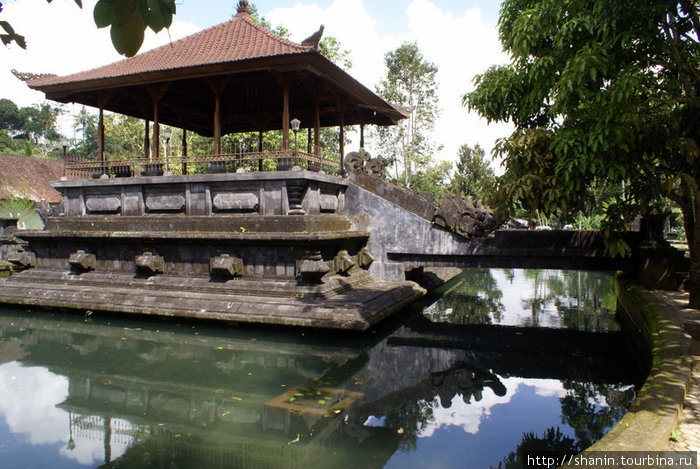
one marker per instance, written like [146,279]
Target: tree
[39,121]
[127,20]
[9,115]
[410,83]
[432,178]
[474,176]
[600,90]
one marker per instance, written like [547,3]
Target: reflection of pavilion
[219,399]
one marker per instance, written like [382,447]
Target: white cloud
[462,46]
[29,399]
[61,39]
[470,416]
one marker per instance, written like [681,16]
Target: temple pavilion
[234,77]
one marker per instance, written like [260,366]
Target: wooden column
[184,151]
[217,86]
[308,140]
[101,136]
[285,114]
[341,143]
[362,136]
[260,150]
[147,140]
[217,123]
[155,152]
[317,126]
[156,92]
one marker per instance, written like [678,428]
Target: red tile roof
[28,178]
[238,39]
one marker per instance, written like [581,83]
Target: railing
[83,168]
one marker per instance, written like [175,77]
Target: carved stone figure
[314,39]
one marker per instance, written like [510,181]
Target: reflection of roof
[28,178]
[248,65]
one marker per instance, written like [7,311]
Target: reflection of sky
[516,293]
[482,432]
[34,431]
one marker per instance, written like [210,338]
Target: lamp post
[64,144]
[295,123]
[295,128]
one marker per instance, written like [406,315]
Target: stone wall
[265,193]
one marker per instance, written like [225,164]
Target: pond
[501,359]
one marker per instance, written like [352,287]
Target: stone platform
[270,248]
[355,302]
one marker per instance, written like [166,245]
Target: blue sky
[390,14]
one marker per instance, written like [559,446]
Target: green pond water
[501,359]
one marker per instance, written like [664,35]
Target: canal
[498,361]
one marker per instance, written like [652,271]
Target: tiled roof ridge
[124,64]
[248,18]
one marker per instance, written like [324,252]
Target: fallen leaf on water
[236,398]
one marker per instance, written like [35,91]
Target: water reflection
[108,392]
[579,300]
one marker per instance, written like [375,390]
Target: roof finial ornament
[243,6]
[314,39]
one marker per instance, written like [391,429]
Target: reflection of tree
[591,409]
[583,300]
[410,420]
[552,440]
[475,300]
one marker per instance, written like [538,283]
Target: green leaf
[155,19]
[127,37]
[104,13]
[11,35]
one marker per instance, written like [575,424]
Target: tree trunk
[694,246]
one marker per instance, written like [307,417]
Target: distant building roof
[28,178]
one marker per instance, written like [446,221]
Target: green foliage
[432,179]
[129,19]
[604,95]
[474,176]
[39,122]
[411,83]
[9,115]
[86,123]
[331,48]
[23,210]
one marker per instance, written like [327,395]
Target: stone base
[354,302]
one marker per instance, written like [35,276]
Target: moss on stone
[652,417]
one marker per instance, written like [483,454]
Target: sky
[459,36]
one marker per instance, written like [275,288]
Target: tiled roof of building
[28,178]
[238,39]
